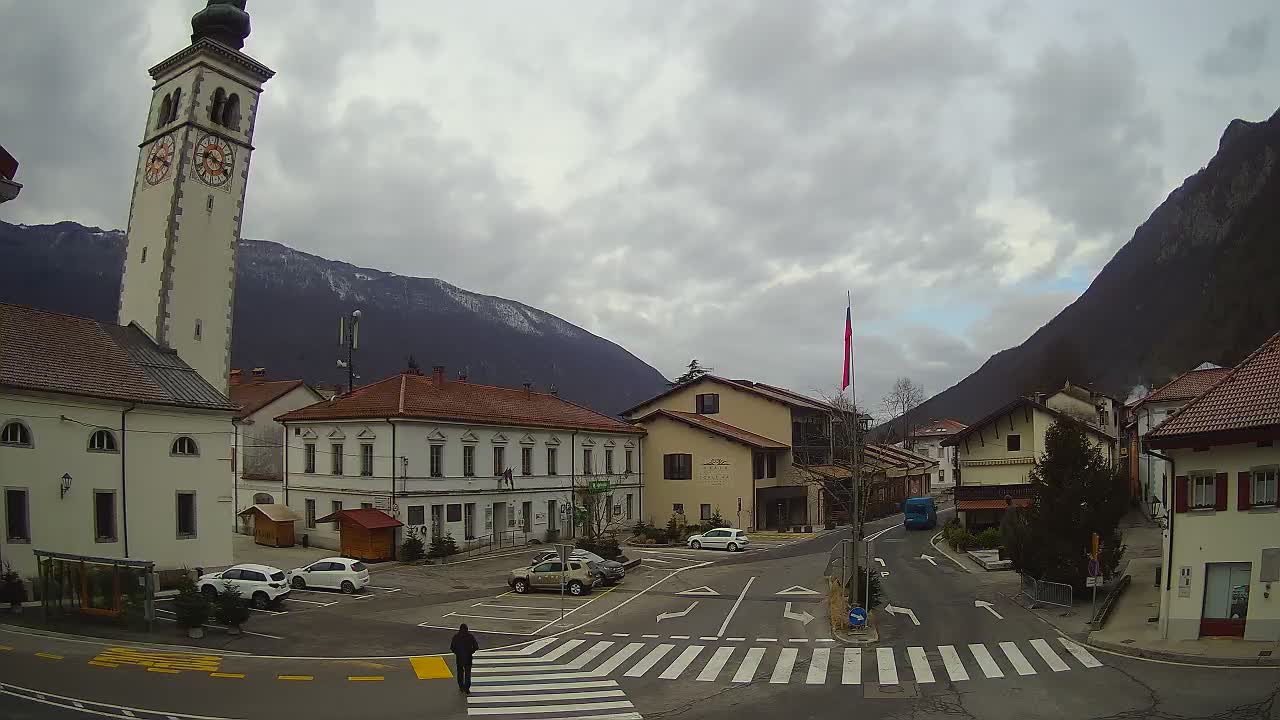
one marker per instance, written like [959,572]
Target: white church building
[115,437]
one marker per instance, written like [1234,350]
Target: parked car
[334,573]
[261,585]
[578,579]
[730,539]
[919,513]
[611,571]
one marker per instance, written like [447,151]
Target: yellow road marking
[430,668]
[295,677]
[226,675]
[163,670]
[50,656]
[172,661]
[102,664]
[5,648]
[365,677]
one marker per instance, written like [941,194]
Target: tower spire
[223,20]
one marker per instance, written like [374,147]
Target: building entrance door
[526,516]
[1226,599]
[469,521]
[499,519]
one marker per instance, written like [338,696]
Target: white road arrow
[902,611]
[682,613]
[881,561]
[987,605]
[884,573]
[929,558]
[804,617]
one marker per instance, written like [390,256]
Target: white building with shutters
[485,464]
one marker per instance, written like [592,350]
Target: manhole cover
[903,691]
[1264,653]
[1126,642]
[460,586]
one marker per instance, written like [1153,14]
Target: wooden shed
[366,533]
[272,524]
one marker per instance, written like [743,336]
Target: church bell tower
[189,189]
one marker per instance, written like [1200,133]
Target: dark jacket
[464,645]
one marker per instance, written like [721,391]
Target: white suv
[261,585]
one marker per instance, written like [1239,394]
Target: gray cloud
[1242,51]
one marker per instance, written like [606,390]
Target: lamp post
[349,337]
[66,485]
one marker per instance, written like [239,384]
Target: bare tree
[904,397]
[846,441]
[602,519]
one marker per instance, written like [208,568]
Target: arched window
[166,107]
[15,433]
[177,105]
[231,112]
[215,108]
[184,446]
[263,499]
[102,441]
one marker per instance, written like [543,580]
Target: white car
[728,538]
[333,573]
[261,585]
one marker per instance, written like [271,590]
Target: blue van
[920,513]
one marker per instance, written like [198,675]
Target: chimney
[528,390]
[234,376]
[555,391]
[259,373]
[437,374]
[462,376]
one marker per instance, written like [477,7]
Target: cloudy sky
[688,179]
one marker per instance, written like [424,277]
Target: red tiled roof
[53,352]
[1247,398]
[418,396]
[367,518]
[1186,386]
[253,396]
[939,428]
[722,429]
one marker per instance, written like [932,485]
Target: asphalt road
[703,635]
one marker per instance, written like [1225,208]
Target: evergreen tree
[691,373]
[1077,494]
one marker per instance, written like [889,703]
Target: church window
[184,446]
[144,255]
[177,104]
[166,106]
[231,112]
[215,110]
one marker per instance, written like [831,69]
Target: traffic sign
[1093,581]
[598,486]
[857,617]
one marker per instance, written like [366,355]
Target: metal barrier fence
[496,541]
[1046,592]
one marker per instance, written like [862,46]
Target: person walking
[464,647]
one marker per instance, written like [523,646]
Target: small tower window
[231,112]
[208,205]
[144,256]
[177,104]
[102,441]
[185,446]
[198,328]
[215,109]
[166,106]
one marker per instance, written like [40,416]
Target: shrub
[856,590]
[11,588]
[989,538]
[443,546]
[411,549]
[191,608]
[606,548]
[229,609]
[673,527]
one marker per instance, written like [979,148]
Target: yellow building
[731,446]
[994,456]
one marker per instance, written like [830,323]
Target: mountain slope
[1195,283]
[288,304]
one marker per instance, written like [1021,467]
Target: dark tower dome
[222,20]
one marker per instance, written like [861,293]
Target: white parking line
[313,602]
[387,589]
[491,617]
[656,560]
[516,607]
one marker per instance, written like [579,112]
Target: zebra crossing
[573,659]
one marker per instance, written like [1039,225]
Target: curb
[1181,658]
[871,637]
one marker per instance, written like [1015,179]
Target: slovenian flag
[848,346]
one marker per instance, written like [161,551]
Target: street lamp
[66,485]
[349,337]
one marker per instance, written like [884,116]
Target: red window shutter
[1180,494]
[1243,486]
[1220,488]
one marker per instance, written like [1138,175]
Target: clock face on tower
[214,159]
[159,159]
